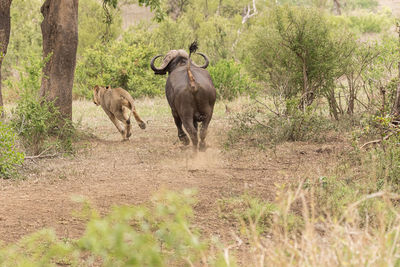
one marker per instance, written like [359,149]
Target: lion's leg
[126,113]
[141,123]
[116,123]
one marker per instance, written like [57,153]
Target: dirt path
[108,172]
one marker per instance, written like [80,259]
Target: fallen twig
[373,142]
[42,155]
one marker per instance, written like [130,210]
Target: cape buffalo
[190,93]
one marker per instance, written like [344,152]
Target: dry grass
[318,241]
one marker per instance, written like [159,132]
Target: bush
[36,120]
[157,235]
[9,156]
[261,128]
[38,123]
[229,81]
[288,40]
[119,64]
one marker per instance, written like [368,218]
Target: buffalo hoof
[202,146]
[184,139]
[142,125]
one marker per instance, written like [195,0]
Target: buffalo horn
[205,65]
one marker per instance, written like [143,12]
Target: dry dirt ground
[109,172]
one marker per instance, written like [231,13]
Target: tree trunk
[305,96]
[337,7]
[396,107]
[352,95]
[219,7]
[60,39]
[5,27]
[333,105]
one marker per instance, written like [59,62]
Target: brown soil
[109,172]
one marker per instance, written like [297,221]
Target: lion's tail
[141,123]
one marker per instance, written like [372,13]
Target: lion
[118,105]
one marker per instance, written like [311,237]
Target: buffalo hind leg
[203,134]
[191,130]
[181,134]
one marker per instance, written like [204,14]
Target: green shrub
[9,156]
[146,236]
[229,80]
[259,127]
[36,120]
[160,234]
[288,40]
[119,64]
[41,248]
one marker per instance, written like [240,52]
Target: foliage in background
[119,64]
[25,36]
[370,23]
[229,80]
[297,52]
[92,27]
[215,34]
[10,157]
[347,5]
[362,22]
